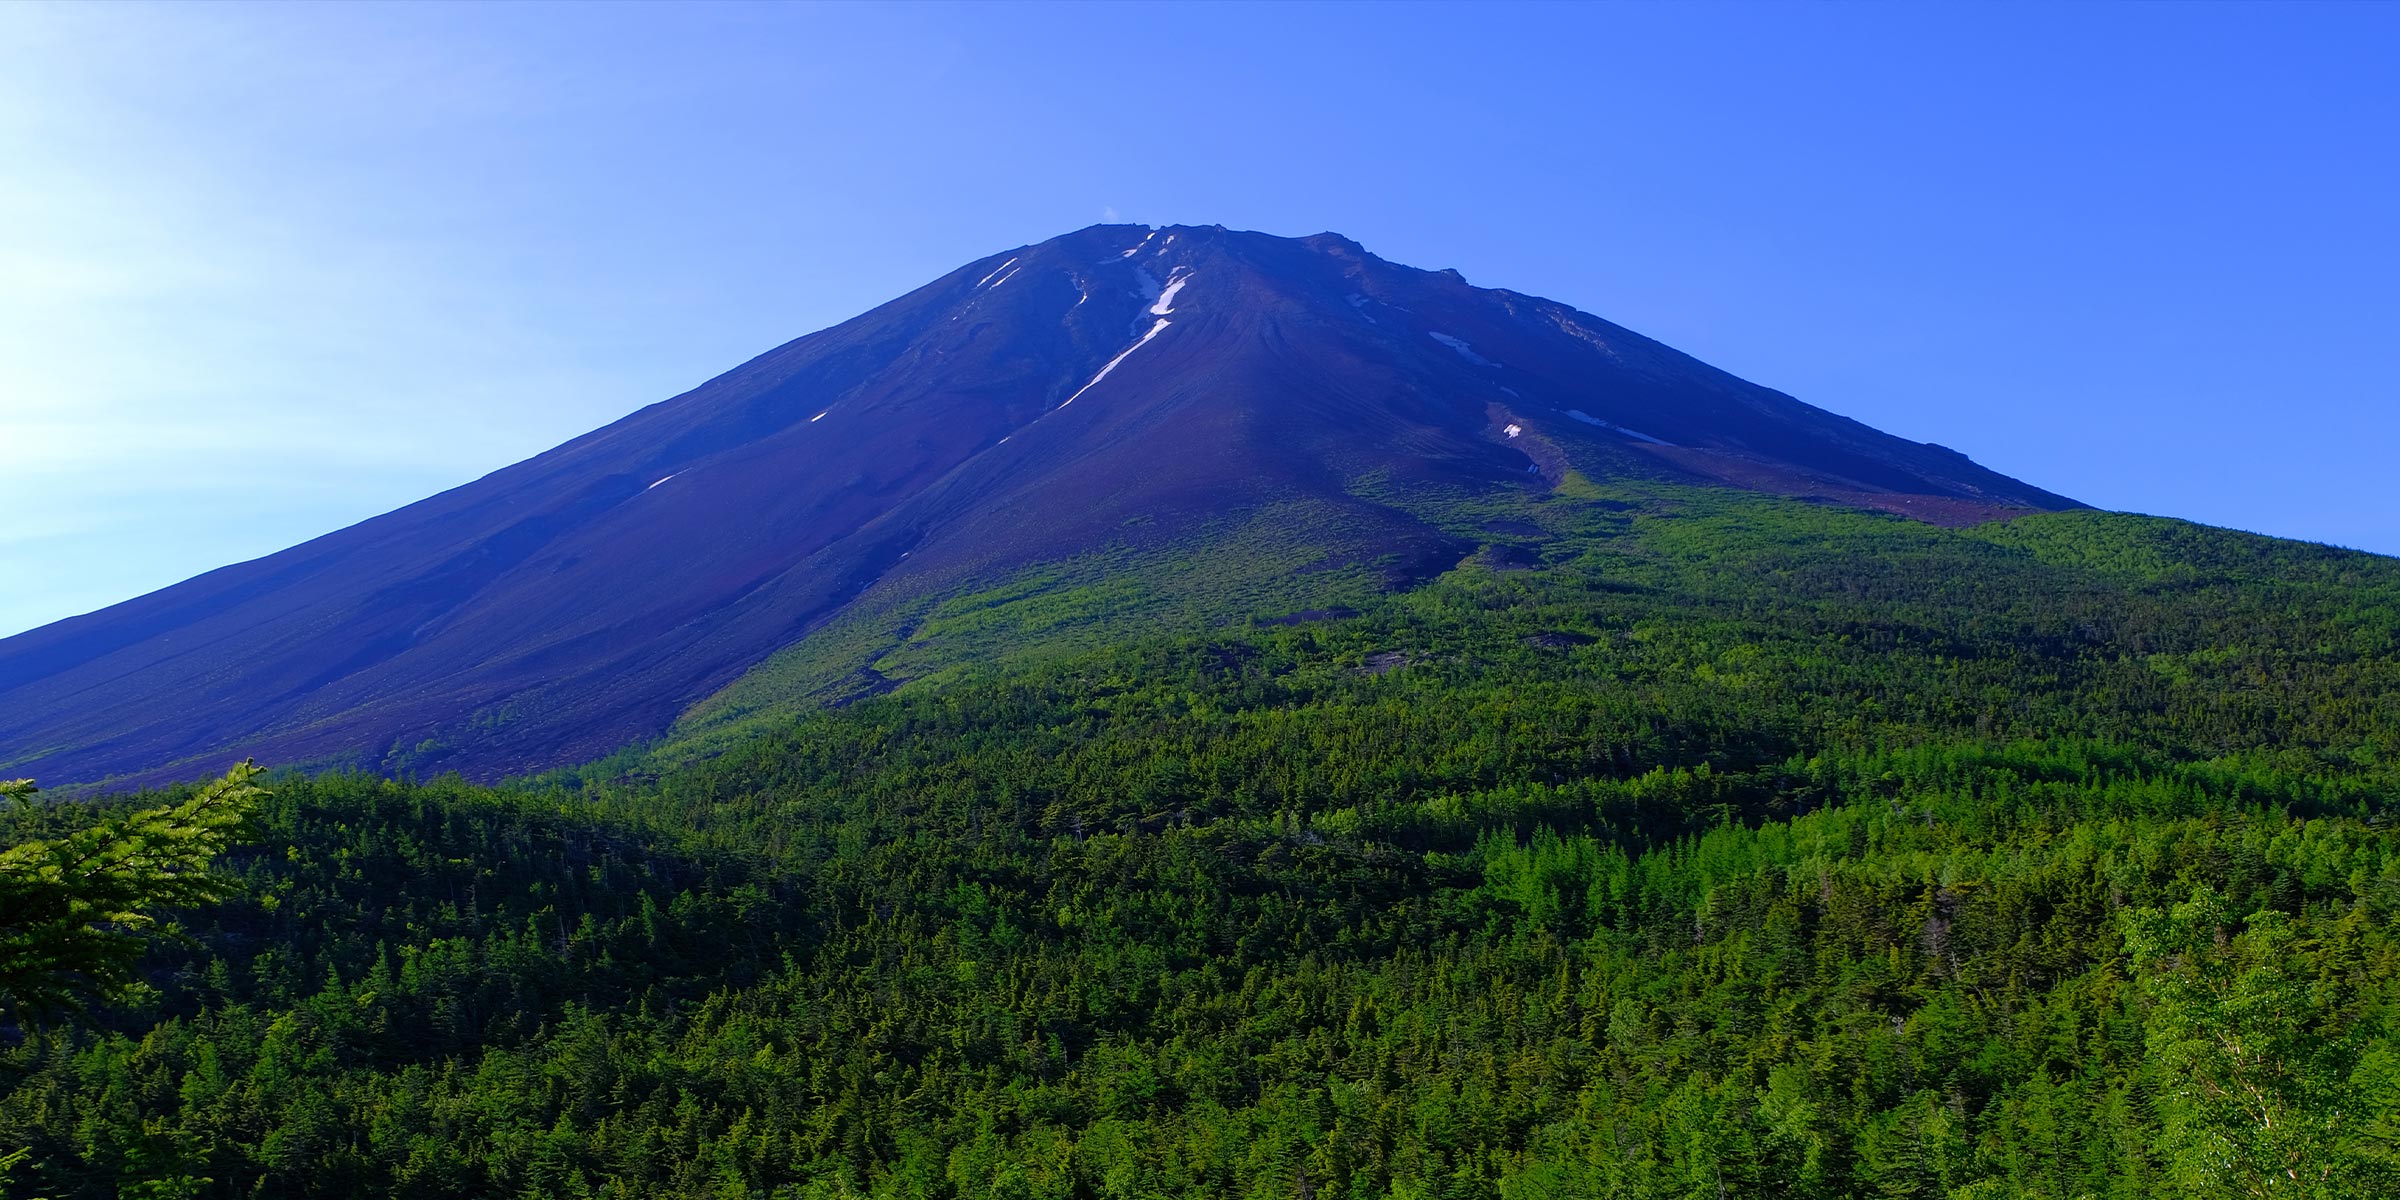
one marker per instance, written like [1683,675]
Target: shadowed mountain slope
[1114,386]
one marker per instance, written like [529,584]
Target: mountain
[1335,768]
[1755,849]
[1185,400]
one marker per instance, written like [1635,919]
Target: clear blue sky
[265,271]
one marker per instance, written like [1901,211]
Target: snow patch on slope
[1166,296]
[1147,289]
[662,481]
[1465,351]
[1112,363]
[996,270]
[1636,435]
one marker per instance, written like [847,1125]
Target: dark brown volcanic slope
[1020,409]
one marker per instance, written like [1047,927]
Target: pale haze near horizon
[268,271]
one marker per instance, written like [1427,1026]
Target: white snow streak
[996,270]
[1636,435]
[1146,289]
[1005,278]
[1137,246]
[1112,363]
[819,417]
[1166,296]
[1465,351]
[1513,430]
[662,481]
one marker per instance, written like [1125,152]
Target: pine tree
[73,909]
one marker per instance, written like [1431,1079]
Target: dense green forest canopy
[1698,846]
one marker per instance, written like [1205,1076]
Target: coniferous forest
[1703,846]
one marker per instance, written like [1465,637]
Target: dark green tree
[74,909]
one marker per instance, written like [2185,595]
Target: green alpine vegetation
[71,907]
[1682,844]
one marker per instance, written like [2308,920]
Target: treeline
[1756,851]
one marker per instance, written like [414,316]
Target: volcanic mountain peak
[1119,386]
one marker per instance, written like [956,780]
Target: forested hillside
[1695,845]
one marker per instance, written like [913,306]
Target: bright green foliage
[2257,1096]
[909,629]
[72,908]
[1752,849]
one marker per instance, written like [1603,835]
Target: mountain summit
[1119,386]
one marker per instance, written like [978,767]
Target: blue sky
[266,271]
